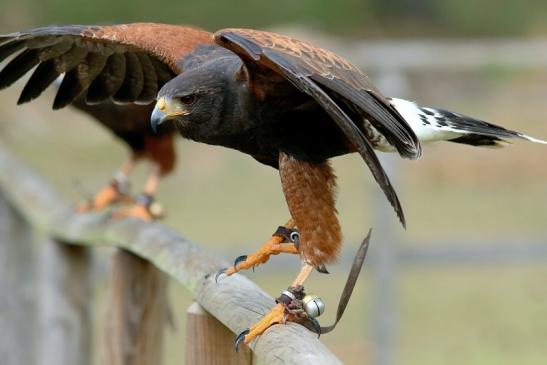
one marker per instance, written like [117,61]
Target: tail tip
[532,139]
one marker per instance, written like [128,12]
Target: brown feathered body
[277,125]
[310,190]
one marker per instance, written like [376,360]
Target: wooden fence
[46,289]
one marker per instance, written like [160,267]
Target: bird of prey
[131,124]
[118,92]
[286,103]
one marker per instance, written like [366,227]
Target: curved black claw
[240,338]
[241,258]
[316,326]
[220,272]
[312,325]
[322,269]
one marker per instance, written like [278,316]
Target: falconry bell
[313,305]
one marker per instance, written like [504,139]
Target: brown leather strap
[145,200]
[350,284]
[289,234]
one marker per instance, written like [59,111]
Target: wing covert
[328,70]
[127,62]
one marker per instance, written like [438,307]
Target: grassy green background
[228,203]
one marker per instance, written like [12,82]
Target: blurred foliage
[364,18]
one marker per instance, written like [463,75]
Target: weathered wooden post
[137,312]
[65,296]
[209,342]
[18,292]
[45,309]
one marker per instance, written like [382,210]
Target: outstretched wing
[336,85]
[128,62]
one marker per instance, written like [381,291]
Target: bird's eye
[188,99]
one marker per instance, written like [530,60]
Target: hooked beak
[166,109]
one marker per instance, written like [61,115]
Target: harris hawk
[286,103]
[131,124]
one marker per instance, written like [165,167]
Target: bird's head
[198,101]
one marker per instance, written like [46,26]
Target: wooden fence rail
[31,215]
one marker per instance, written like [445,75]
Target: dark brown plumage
[341,89]
[291,106]
[270,95]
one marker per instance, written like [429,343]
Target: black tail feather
[478,140]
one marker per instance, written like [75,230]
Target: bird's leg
[288,308]
[115,191]
[143,207]
[284,240]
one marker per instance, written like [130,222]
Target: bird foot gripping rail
[45,278]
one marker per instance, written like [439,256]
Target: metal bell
[313,305]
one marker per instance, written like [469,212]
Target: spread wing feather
[109,81]
[128,62]
[329,70]
[308,75]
